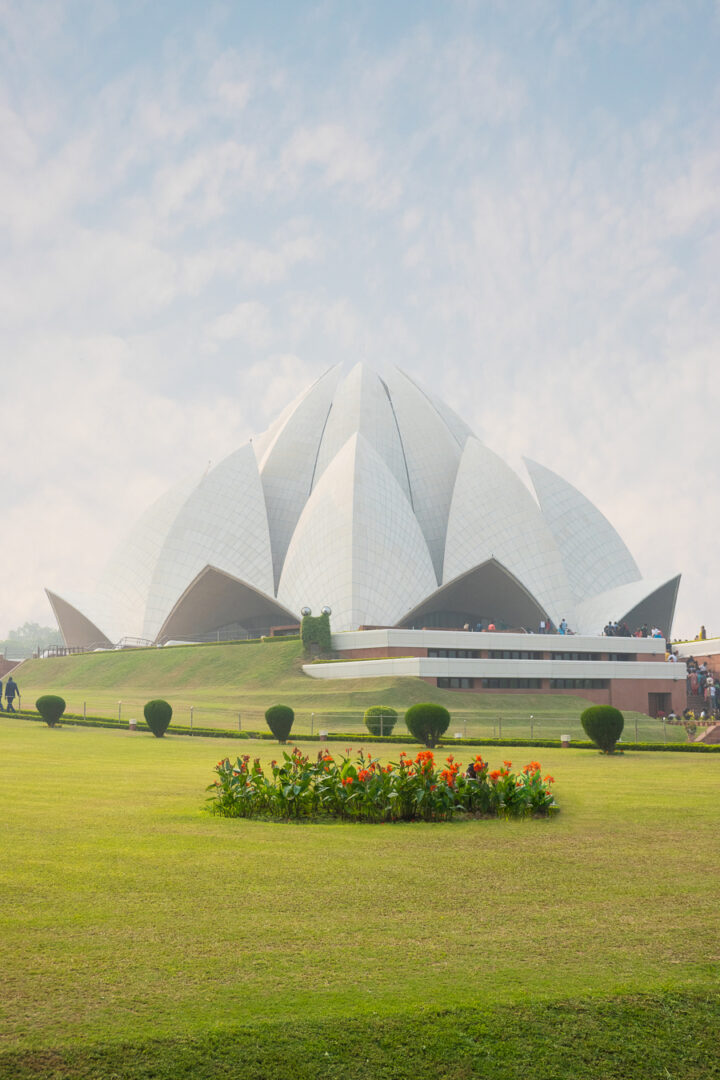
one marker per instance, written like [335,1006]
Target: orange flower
[507,764]
[549,779]
[495,775]
[479,766]
[347,781]
[363,774]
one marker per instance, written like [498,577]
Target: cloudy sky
[204,205]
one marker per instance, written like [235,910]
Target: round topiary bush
[380,719]
[427,722]
[51,707]
[158,715]
[280,720]
[604,725]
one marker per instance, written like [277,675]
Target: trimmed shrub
[158,715]
[604,725]
[380,719]
[51,707]
[280,720]
[315,630]
[427,722]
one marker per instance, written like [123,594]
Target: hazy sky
[204,205]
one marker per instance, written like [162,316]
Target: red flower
[507,764]
[549,779]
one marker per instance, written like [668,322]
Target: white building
[371,496]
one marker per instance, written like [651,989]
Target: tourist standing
[11,690]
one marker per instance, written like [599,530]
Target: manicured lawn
[222,681]
[131,916]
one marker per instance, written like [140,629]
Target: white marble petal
[362,405]
[357,545]
[493,515]
[287,461]
[122,593]
[432,456]
[614,604]
[595,557]
[223,523]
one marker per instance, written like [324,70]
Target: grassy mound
[221,681]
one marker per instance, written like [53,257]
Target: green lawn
[221,682]
[143,937]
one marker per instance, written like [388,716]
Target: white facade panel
[594,556]
[357,546]
[493,515]
[432,455]
[463,639]
[593,614]
[362,406]
[224,524]
[122,594]
[440,668]
[287,465]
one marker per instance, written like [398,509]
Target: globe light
[305,611]
[327,610]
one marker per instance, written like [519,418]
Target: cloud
[487,195]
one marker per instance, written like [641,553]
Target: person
[703,634]
[11,689]
[563,625]
[541,628]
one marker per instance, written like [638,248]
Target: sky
[204,205]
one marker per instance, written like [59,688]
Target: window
[454,654]
[579,684]
[456,683]
[618,656]
[512,684]
[513,654]
[574,656]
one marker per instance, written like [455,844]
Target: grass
[143,937]
[221,682]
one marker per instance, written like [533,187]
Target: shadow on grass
[671,1036]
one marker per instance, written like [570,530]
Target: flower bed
[362,789]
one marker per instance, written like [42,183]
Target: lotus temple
[371,496]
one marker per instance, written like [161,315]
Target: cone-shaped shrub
[51,707]
[280,720]
[604,725]
[158,715]
[427,723]
[380,719]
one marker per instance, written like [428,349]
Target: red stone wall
[627,694]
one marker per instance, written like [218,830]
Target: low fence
[309,722]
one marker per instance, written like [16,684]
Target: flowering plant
[362,789]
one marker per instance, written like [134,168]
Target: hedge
[72,719]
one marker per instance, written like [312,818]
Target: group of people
[702,682]
[615,629]
[11,692]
